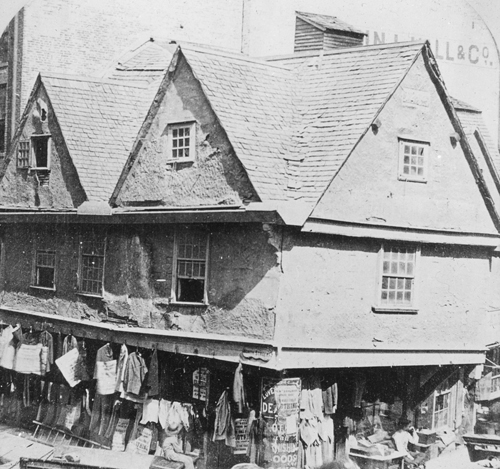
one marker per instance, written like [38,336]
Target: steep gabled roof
[339,95]
[252,100]
[99,121]
[326,22]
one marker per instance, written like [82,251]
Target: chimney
[322,32]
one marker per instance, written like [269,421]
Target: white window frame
[81,268]
[397,307]
[179,233]
[33,162]
[403,155]
[438,394]
[171,139]
[36,266]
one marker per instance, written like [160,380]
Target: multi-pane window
[92,248]
[181,141]
[441,415]
[413,162]
[495,373]
[23,154]
[45,269]
[398,276]
[190,270]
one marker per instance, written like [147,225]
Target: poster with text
[280,405]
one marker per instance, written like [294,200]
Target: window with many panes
[398,277]
[494,362]
[92,252]
[441,415]
[181,140]
[190,267]
[23,154]
[45,269]
[413,160]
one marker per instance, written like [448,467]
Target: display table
[482,446]
[365,461]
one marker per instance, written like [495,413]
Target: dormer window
[181,142]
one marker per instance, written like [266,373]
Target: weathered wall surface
[329,286]
[138,278]
[27,188]
[216,177]
[367,189]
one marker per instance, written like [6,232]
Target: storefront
[227,400]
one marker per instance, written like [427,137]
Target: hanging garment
[163,412]
[101,414]
[81,369]
[152,379]
[327,439]
[105,371]
[9,348]
[150,411]
[47,342]
[330,396]
[239,389]
[69,343]
[28,359]
[135,372]
[5,338]
[359,390]
[222,417]
[120,368]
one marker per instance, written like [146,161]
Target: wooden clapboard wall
[309,37]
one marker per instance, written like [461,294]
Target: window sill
[37,287]
[407,179]
[387,309]
[187,303]
[89,295]
[182,160]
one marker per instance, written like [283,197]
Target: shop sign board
[200,384]
[240,426]
[280,405]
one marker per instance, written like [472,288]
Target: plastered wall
[367,188]
[242,288]
[215,177]
[28,188]
[329,285]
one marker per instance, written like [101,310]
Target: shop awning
[262,353]
[299,358]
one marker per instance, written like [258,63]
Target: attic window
[413,161]
[181,142]
[40,146]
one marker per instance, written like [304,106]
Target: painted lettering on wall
[467,53]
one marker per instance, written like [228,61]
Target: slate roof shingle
[99,121]
[292,120]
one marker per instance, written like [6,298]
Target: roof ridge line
[344,50]
[236,56]
[101,81]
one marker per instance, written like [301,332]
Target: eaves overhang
[280,213]
[403,234]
